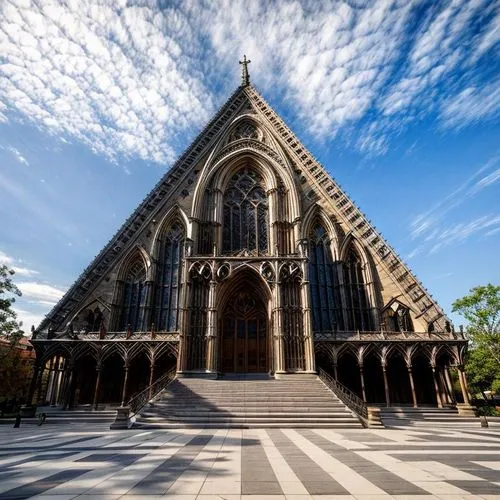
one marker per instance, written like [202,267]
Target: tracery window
[358,314]
[134,295]
[245,130]
[169,279]
[245,213]
[324,283]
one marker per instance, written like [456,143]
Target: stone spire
[245,77]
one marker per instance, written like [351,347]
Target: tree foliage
[481,309]
[10,328]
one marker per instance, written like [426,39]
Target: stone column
[151,377]
[310,364]
[55,383]
[184,336]
[39,384]
[279,348]
[436,388]
[97,386]
[412,385]
[211,335]
[125,382]
[70,382]
[449,385]
[463,384]
[386,386]
[362,380]
[34,379]
[335,372]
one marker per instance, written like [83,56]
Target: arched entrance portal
[244,326]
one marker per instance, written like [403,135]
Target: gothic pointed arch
[356,298]
[131,291]
[169,254]
[324,284]
[244,322]
[245,213]
[396,317]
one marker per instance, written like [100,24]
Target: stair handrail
[351,400]
[139,400]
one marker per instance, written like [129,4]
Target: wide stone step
[247,403]
[249,425]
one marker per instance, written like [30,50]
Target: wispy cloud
[19,157]
[16,265]
[424,223]
[471,104]
[433,229]
[132,79]
[461,231]
[40,292]
[118,77]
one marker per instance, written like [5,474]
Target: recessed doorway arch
[244,325]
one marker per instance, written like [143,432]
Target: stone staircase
[246,402]
[80,418]
[404,416]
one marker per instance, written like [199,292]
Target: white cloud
[471,104]
[15,265]
[425,224]
[40,292]
[131,79]
[459,232]
[113,77]
[28,318]
[19,157]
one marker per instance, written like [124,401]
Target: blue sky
[400,101]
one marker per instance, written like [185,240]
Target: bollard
[484,421]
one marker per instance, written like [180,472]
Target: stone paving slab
[243,464]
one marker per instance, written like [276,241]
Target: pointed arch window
[169,279]
[324,283]
[357,307]
[245,213]
[134,295]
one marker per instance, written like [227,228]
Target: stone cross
[245,77]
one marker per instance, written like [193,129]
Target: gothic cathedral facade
[247,257]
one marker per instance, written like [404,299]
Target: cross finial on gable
[245,77]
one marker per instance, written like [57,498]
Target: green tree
[481,309]
[10,328]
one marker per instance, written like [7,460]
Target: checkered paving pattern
[54,462]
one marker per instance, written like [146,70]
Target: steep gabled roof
[306,167]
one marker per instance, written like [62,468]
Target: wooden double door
[244,346]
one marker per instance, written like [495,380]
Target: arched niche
[244,323]
[396,317]
[169,253]
[131,290]
[90,318]
[324,280]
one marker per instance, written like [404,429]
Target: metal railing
[140,399]
[351,400]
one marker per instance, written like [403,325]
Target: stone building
[247,257]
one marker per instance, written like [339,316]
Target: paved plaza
[61,462]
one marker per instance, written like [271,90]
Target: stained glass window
[324,283]
[245,213]
[133,298]
[358,315]
[169,279]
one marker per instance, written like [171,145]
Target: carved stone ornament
[200,271]
[224,271]
[290,271]
[267,272]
